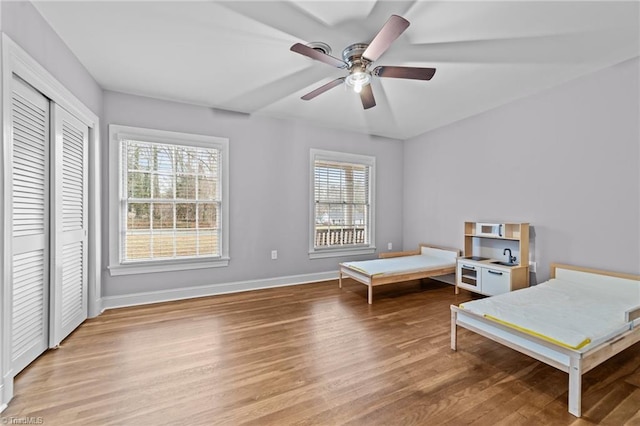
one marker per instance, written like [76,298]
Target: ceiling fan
[357,57]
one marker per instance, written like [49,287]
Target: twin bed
[573,322]
[426,261]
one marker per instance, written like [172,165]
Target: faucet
[512,259]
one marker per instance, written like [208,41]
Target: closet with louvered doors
[48,229]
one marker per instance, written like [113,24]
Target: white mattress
[577,315]
[394,265]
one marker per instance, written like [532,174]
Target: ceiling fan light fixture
[358,80]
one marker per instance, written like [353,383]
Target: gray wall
[269,189]
[566,160]
[24,24]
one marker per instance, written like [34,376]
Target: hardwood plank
[633,421]
[624,411]
[309,354]
[634,378]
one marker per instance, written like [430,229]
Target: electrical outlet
[389,246]
[274,254]
[532,266]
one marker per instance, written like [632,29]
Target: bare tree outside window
[172,201]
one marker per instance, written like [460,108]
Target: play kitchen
[496,258]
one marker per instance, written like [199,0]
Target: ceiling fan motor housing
[352,55]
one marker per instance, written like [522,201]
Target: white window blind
[342,203]
[170,201]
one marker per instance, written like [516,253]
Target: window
[170,206]
[342,208]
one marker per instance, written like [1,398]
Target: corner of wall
[6,382]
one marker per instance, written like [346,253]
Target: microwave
[490,229]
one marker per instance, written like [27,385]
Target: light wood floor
[310,354]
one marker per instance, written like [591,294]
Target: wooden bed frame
[570,361]
[372,281]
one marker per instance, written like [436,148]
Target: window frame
[343,157]
[117,133]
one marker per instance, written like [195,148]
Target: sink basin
[499,262]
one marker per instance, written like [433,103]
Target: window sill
[166,266]
[323,254]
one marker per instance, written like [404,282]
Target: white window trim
[318,154]
[116,134]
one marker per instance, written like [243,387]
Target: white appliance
[490,229]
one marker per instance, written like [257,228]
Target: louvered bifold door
[30,224]
[69,242]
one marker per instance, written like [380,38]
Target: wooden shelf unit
[513,232]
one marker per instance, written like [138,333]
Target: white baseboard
[95,308]
[3,403]
[111,302]
[6,390]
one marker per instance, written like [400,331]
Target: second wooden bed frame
[570,361]
[372,280]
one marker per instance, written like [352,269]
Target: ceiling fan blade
[390,31]
[366,96]
[270,92]
[320,90]
[413,73]
[318,56]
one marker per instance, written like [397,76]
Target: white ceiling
[235,55]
